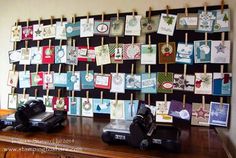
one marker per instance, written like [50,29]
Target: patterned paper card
[36,79]
[165,82]
[60,104]
[24,79]
[87,107]
[102,55]
[200,114]
[38,32]
[184,84]
[219,114]
[117,109]
[72,29]
[102,81]
[116,54]
[162,110]
[86,27]
[203,83]
[12,78]
[12,101]
[101,106]
[36,55]
[150,25]
[27,33]
[48,55]
[74,106]
[87,79]
[118,83]
[167,53]
[25,56]
[22,99]
[189,22]
[130,109]
[148,54]
[16,33]
[132,25]
[222,84]
[85,54]
[177,110]
[222,22]
[60,54]
[48,103]
[72,55]
[149,83]
[184,54]
[117,26]
[61,30]
[48,80]
[102,28]
[133,82]
[132,51]
[206,21]
[73,81]
[14,56]
[167,24]
[220,53]
[49,31]
[202,52]
[60,79]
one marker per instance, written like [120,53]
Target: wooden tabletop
[82,135]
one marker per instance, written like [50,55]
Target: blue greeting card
[60,54]
[149,83]
[73,81]
[101,106]
[219,114]
[206,21]
[130,109]
[133,82]
[222,84]
[202,52]
[87,80]
[72,29]
[24,79]
[60,79]
[184,54]
[101,28]
[74,106]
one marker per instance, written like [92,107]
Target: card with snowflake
[219,114]
[220,52]
[60,54]
[87,79]
[73,81]
[184,54]
[183,84]
[167,24]
[202,52]
[206,21]
[178,110]
[200,114]
[149,83]
[222,84]
[162,109]
[48,55]
[222,22]
[72,29]
[203,83]
[133,81]
[16,33]
[74,106]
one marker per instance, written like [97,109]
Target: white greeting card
[12,78]
[87,107]
[24,79]
[25,56]
[203,83]
[148,54]
[47,100]
[117,109]
[36,55]
[220,52]
[16,32]
[38,32]
[86,27]
[162,109]
[61,30]
[222,22]
[102,55]
[12,101]
[167,24]
[132,25]
[118,83]
[49,31]
[14,56]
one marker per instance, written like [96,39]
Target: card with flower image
[189,22]
[101,106]
[102,81]
[73,81]
[12,78]
[203,83]
[133,82]
[36,79]
[206,21]
[47,100]
[102,27]
[25,56]
[202,52]
[60,79]
[14,56]
[49,31]
[117,27]
[72,55]
[220,52]
[222,84]
[87,79]
[60,54]
[117,109]
[86,54]
[87,107]
[200,114]
[48,80]
[60,30]
[48,55]
[38,32]
[74,106]
[149,83]
[150,25]
[167,24]
[165,82]
[118,83]
[167,53]
[86,27]
[132,51]
[60,104]
[131,109]
[132,25]
[162,109]
[222,22]
[36,55]
[72,29]
[183,84]
[102,55]
[184,54]
[149,54]
[219,114]
[179,111]
[24,79]
[27,33]
[22,99]
[12,101]
[16,32]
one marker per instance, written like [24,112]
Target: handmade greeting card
[60,104]
[206,21]
[36,79]
[203,83]
[117,109]
[149,54]
[219,114]
[132,25]
[25,56]
[12,101]
[85,54]
[184,54]
[118,83]
[102,55]
[101,106]
[102,27]
[116,53]
[222,22]
[27,32]
[87,80]
[12,78]
[48,55]
[74,106]
[22,99]
[184,84]
[220,53]
[178,110]
[167,24]
[14,56]
[38,32]
[149,83]
[36,55]
[49,31]
[131,109]
[72,55]
[60,54]
[72,29]
[47,100]
[48,80]
[189,22]
[150,25]
[102,81]
[86,27]
[167,53]
[200,114]
[73,81]
[222,84]
[61,30]
[132,51]
[202,52]
[87,107]
[60,79]
[165,82]
[16,33]
[24,79]
[133,82]
[162,109]
[117,26]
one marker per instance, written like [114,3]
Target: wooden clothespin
[149,41]
[206,34]
[205,69]
[132,69]
[14,68]
[117,68]
[14,45]
[117,41]
[39,20]
[205,7]
[24,93]
[73,19]
[73,95]
[17,22]
[88,43]
[167,10]
[59,69]
[59,94]
[51,20]
[221,102]
[37,68]
[13,91]
[36,93]
[88,14]
[103,16]
[87,95]
[222,70]
[149,99]
[49,68]
[165,99]
[49,43]
[203,102]
[87,68]
[222,6]
[27,23]
[116,98]
[184,101]
[62,17]
[101,97]
[186,39]
[149,71]
[149,13]
[117,14]
[185,71]
[47,94]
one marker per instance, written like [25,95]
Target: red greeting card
[102,81]
[85,54]
[36,79]
[60,104]
[48,55]
[27,32]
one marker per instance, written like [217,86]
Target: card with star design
[202,52]
[60,104]
[48,80]
[219,114]
[87,79]
[72,29]
[220,52]
[36,55]
[49,31]
[132,51]
[101,106]
[14,56]
[60,54]
[47,100]
[16,32]
[12,101]
[162,109]
[48,55]
[189,22]
[36,79]
[86,27]
[12,78]
[149,83]
[72,55]
[203,83]
[132,25]
[22,99]
[87,107]
[206,21]
[117,83]
[167,53]
[102,81]
[60,79]
[24,79]
[222,84]
[167,24]
[200,114]
[73,81]
[184,54]
[74,106]
[179,111]
[116,53]
[117,27]
[117,109]
[86,54]
[131,109]
[102,27]
[183,84]
[149,25]
[38,32]
[27,33]
[102,55]
[222,22]
[165,82]
[133,82]
[148,54]
[60,31]
[25,56]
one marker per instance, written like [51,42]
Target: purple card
[177,110]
